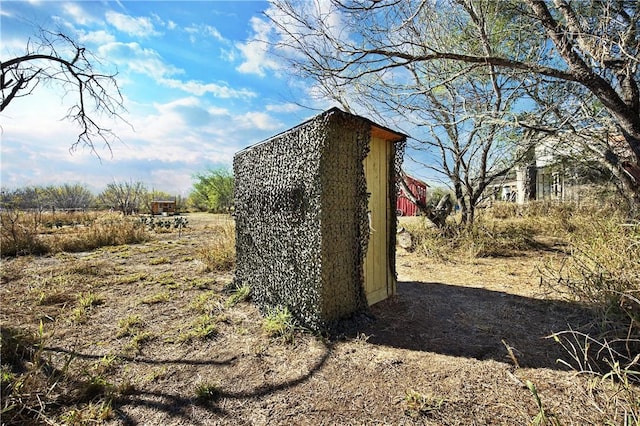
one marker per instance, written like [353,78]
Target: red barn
[404,206]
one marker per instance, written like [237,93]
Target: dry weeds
[439,353]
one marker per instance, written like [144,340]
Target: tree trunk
[464,211]
[471,215]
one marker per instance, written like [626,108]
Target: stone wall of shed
[345,227]
[278,214]
[302,227]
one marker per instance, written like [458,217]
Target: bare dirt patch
[436,354]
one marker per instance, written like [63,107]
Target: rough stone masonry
[302,228]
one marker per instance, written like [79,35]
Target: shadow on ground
[189,409]
[473,323]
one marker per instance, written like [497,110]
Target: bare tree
[69,196]
[459,114]
[55,58]
[126,197]
[32,198]
[592,47]
[475,148]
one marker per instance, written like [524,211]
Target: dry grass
[36,233]
[599,266]
[487,238]
[32,382]
[219,254]
[437,353]
[602,269]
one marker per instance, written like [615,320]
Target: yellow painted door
[376,263]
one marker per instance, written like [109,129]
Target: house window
[556,186]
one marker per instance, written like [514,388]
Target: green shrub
[278,323]
[238,294]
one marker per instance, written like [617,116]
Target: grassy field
[151,332]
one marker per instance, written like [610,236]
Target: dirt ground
[454,347]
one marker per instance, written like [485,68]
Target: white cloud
[204,30]
[47,104]
[228,55]
[150,63]
[77,13]
[170,140]
[177,138]
[177,179]
[199,88]
[140,26]
[100,37]
[169,24]
[138,59]
[12,46]
[183,136]
[190,130]
[261,121]
[255,51]
[271,41]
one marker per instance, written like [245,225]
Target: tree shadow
[142,360]
[474,323]
[180,408]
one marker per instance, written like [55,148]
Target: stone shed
[315,217]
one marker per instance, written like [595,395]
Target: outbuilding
[163,207]
[315,211]
[418,188]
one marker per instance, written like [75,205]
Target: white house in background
[555,178]
[551,177]
[545,175]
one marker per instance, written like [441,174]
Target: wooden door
[379,281]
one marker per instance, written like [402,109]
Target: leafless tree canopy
[126,196]
[578,62]
[57,59]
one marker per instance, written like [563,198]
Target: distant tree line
[212,192]
[52,197]
[127,197]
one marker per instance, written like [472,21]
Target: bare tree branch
[403,51]
[58,59]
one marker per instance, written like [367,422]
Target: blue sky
[197,88]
